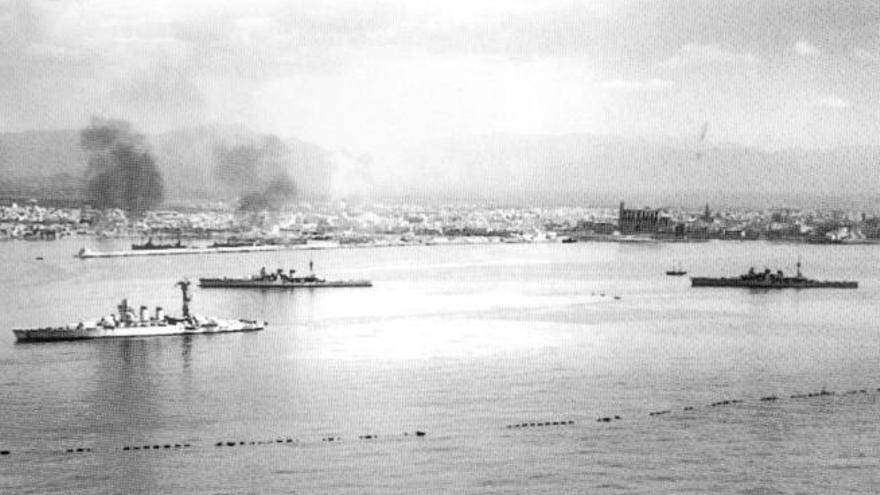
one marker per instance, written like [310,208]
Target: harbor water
[464,343]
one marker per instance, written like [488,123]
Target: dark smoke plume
[275,196]
[257,173]
[121,172]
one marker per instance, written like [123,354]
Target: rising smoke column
[280,191]
[257,173]
[121,172]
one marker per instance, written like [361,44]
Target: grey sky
[373,76]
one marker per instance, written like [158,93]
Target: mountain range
[589,169]
[511,168]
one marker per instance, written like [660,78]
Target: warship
[770,280]
[235,242]
[126,323]
[151,245]
[280,280]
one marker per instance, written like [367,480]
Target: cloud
[354,73]
[632,85]
[694,54]
[806,49]
[832,101]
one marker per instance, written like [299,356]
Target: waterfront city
[364,224]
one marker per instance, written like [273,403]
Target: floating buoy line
[288,441]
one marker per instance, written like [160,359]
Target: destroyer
[127,324]
[769,280]
[280,280]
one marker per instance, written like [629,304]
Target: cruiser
[280,280]
[769,280]
[128,324]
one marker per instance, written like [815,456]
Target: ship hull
[771,284]
[233,283]
[68,333]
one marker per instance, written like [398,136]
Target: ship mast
[184,293]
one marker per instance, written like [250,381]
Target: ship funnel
[160,314]
[123,309]
[144,314]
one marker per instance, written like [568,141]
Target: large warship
[126,323]
[770,280]
[280,280]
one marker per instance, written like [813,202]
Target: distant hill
[589,169]
[522,169]
[42,159]
[40,153]
[187,160]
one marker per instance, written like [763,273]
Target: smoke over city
[280,191]
[121,172]
[257,173]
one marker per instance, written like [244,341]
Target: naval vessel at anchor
[150,245]
[769,280]
[128,324]
[279,280]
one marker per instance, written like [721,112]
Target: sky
[370,76]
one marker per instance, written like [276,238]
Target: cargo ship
[770,280]
[279,280]
[126,323]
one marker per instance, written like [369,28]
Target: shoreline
[86,253]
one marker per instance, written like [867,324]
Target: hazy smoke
[121,171]
[351,176]
[280,191]
[257,173]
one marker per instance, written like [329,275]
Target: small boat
[676,270]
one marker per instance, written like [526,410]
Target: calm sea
[458,342]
